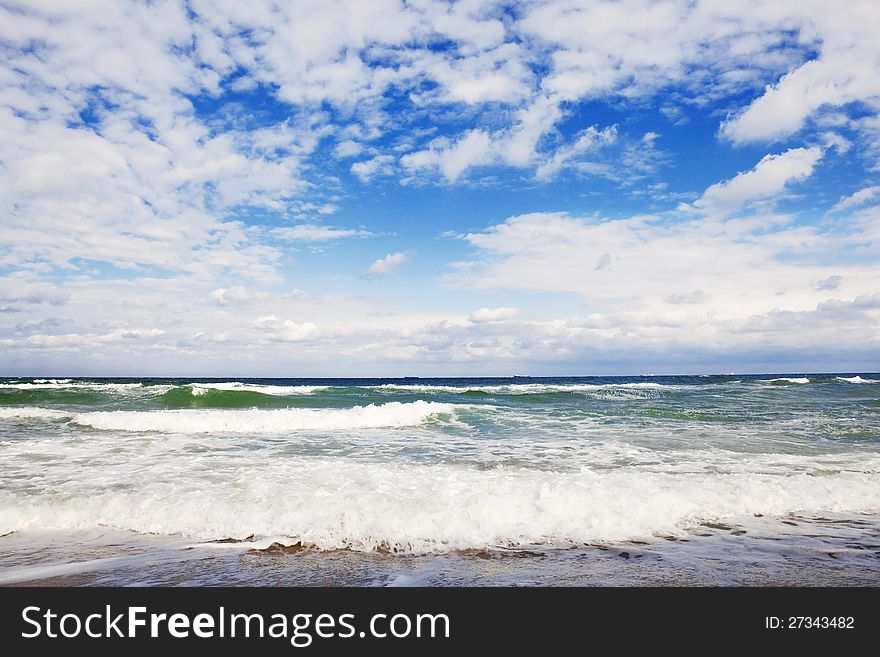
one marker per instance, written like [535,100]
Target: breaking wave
[393,414]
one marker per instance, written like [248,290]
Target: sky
[438,188]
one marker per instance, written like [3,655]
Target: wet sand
[791,551]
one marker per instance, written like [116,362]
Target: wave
[856,379]
[32,412]
[234,395]
[203,388]
[194,388]
[186,397]
[67,384]
[786,379]
[336,503]
[393,414]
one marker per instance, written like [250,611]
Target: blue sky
[438,188]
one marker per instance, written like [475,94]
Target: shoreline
[831,550]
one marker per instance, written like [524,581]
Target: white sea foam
[29,573]
[856,379]
[394,414]
[202,388]
[786,379]
[332,503]
[31,412]
[59,384]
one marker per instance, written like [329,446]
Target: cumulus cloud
[385,266]
[856,199]
[768,178]
[348,148]
[286,330]
[474,149]
[366,169]
[493,314]
[237,294]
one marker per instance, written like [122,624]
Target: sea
[746,480]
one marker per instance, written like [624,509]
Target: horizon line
[412,376]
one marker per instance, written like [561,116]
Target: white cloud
[844,72]
[696,275]
[856,199]
[496,74]
[366,169]
[830,283]
[839,143]
[588,140]
[514,146]
[129,186]
[514,74]
[608,327]
[286,330]
[348,148]
[15,291]
[493,314]
[237,294]
[385,266]
[474,149]
[769,177]
[636,47]
[685,298]
[317,233]
[517,74]
[72,341]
